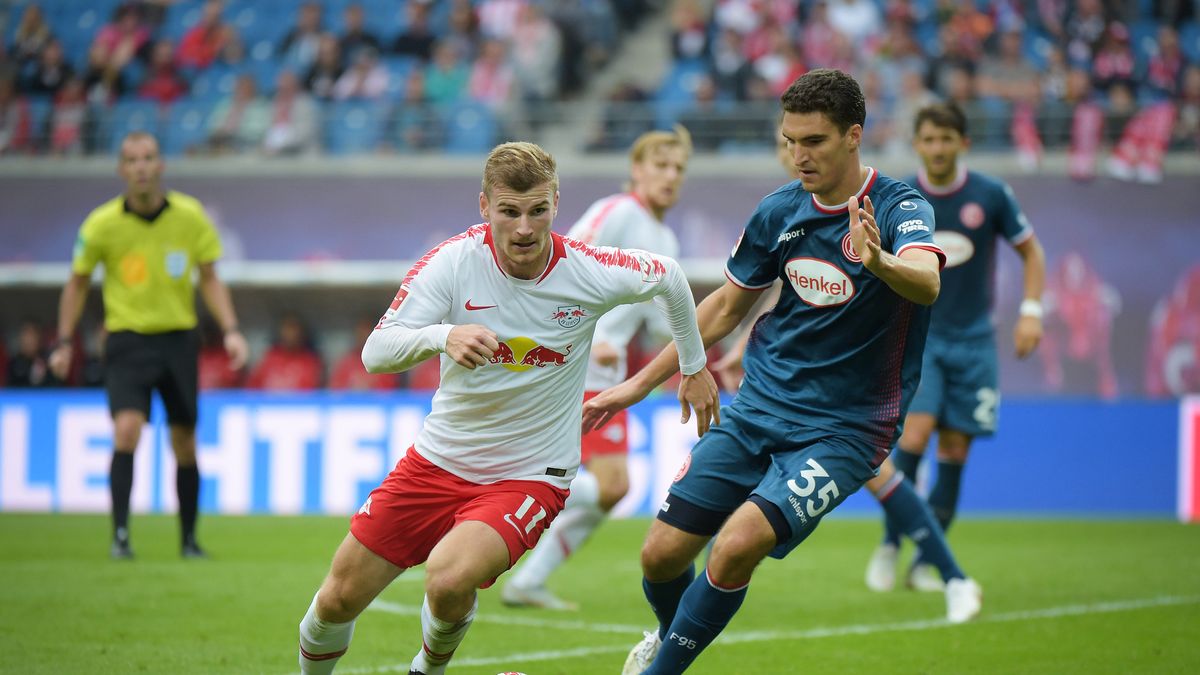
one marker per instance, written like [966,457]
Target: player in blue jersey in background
[829,372]
[958,393]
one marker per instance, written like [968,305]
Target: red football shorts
[418,503]
[610,439]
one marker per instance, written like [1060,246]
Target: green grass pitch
[1061,596]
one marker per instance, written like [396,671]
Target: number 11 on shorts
[514,519]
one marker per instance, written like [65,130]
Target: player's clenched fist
[471,345]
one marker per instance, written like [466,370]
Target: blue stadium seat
[471,128]
[354,127]
[1143,36]
[676,92]
[128,116]
[265,72]
[1189,40]
[399,69]
[214,83]
[186,126]
[181,16]
[39,118]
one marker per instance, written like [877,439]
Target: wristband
[1031,308]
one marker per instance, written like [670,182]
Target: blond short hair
[520,166]
[650,141]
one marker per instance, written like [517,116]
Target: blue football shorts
[752,456]
[958,385]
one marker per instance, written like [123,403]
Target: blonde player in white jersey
[631,219]
[510,307]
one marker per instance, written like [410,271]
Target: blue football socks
[704,611]
[943,497]
[664,597]
[906,463]
[910,513]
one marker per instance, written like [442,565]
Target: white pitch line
[513,620]
[767,636]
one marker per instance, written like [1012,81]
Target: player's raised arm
[913,275]
[412,331]
[716,316]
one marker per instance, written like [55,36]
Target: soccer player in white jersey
[510,307]
[631,219]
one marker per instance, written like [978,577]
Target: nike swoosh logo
[472,308]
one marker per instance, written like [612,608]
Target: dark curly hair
[945,115]
[830,92]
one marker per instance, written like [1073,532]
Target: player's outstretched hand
[471,345]
[699,392]
[237,349]
[864,233]
[602,407]
[1027,335]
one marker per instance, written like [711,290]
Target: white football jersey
[519,416]
[622,220]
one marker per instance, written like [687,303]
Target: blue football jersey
[971,213]
[841,352]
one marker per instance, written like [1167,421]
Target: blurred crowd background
[1101,89]
[279,77]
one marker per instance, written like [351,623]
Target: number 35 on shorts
[808,483]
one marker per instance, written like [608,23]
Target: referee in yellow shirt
[151,243]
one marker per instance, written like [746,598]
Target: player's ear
[483,207]
[854,134]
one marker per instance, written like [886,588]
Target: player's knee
[334,603]
[736,553]
[661,563]
[447,582]
[914,441]
[955,453]
[126,434]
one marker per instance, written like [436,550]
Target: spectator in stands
[537,49]
[499,18]
[729,65]
[202,42]
[68,118]
[464,28]
[446,76]
[491,76]
[1009,86]
[215,368]
[239,122]
[1113,64]
[299,47]
[1187,129]
[366,78]
[911,97]
[125,34]
[163,82]
[417,38]
[355,36]
[1165,70]
[816,37]
[32,35]
[16,121]
[780,65]
[233,48]
[859,20]
[349,373]
[50,72]
[294,123]
[416,124]
[326,70]
[1146,136]
[1085,25]
[689,33]
[1173,12]
[291,364]
[103,80]
[28,366]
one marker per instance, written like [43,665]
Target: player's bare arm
[471,345]
[70,307]
[717,316]
[1028,332]
[216,297]
[914,275]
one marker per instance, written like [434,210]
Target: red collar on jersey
[558,251]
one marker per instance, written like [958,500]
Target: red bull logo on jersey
[818,282]
[521,353]
[568,316]
[957,247]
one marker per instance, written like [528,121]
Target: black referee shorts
[136,364]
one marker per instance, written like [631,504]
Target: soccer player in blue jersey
[829,371]
[958,394]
